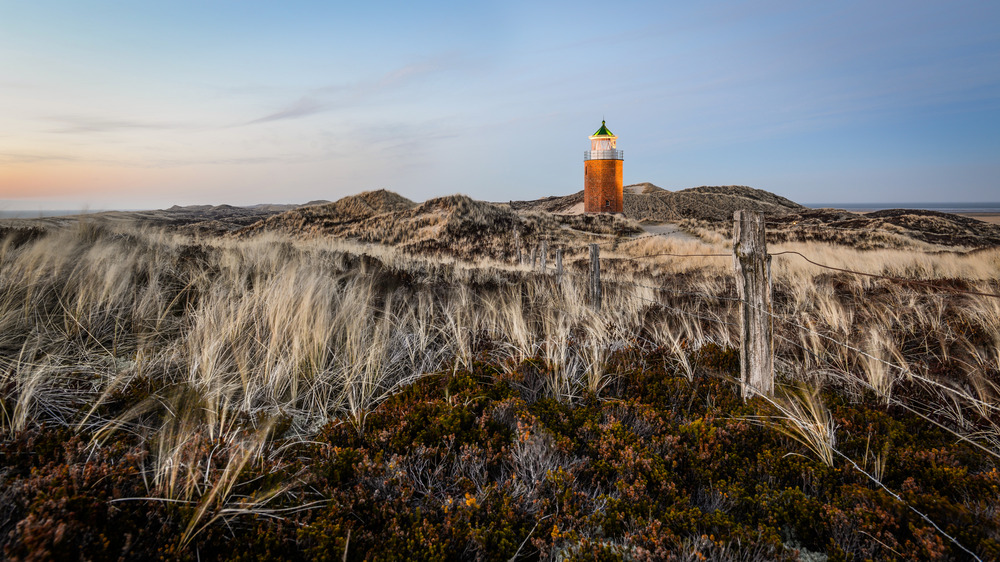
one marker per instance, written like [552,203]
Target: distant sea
[39,214]
[940,207]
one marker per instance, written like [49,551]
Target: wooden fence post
[595,277]
[559,269]
[517,247]
[545,254]
[753,285]
[534,255]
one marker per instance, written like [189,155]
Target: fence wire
[922,282]
[789,320]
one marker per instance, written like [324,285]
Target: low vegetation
[353,392]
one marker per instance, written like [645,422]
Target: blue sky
[144,105]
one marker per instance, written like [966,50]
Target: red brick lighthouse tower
[602,174]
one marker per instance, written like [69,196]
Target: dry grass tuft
[802,416]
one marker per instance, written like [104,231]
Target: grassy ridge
[163,397]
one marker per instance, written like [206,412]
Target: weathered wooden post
[753,284]
[559,269]
[545,253]
[517,247]
[595,277]
[534,255]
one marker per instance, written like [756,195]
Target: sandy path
[992,218]
[670,230]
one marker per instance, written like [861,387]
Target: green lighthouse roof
[603,131]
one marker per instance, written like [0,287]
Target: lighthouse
[602,173]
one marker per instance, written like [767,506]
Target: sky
[139,105]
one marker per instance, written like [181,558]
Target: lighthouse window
[607,202]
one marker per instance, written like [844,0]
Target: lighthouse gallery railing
[603,155]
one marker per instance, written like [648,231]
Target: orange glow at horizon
[76,180]
[132,185]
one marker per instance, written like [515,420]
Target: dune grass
[221,360]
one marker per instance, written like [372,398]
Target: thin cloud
[79,124]
[304,107]
[29,158]
[339,96]
[42,158]
[245,161]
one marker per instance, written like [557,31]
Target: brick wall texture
[602,186]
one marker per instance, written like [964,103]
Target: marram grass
[163,396]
